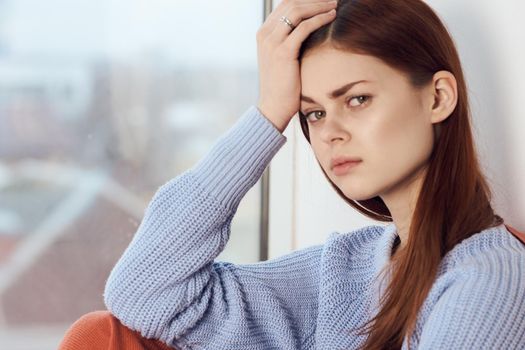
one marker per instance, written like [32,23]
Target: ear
[444,98]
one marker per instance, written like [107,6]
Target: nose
[333,129]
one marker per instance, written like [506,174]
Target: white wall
[490,38]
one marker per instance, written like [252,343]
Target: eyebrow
[337,92]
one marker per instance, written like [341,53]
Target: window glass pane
[102,102]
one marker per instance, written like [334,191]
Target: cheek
[401,145]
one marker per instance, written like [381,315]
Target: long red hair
[455,199]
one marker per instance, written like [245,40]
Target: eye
[362,98]
[316,115]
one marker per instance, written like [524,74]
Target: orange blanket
[100,330]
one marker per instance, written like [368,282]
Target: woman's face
[385,122]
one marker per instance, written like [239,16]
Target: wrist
[276,122]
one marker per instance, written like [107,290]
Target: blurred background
[102,102]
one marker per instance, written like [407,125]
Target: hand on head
[278,42]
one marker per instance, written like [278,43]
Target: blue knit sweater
[168,286]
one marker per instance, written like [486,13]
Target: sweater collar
[381,253]
[384,246]
[487,239]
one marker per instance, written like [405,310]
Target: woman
[379,88]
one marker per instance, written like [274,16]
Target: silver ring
[287,21]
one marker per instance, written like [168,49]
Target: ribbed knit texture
[167,285]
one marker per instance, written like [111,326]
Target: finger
[305,28]
[283,7]
[286,5]
[279,30]
[297,15]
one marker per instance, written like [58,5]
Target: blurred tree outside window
[101,103]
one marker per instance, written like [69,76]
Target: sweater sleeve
[485,309]
[167,286]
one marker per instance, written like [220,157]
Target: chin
[357,194]
[362,198]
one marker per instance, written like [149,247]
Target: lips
[342,160]
[345,168]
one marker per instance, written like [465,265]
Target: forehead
[324,69]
